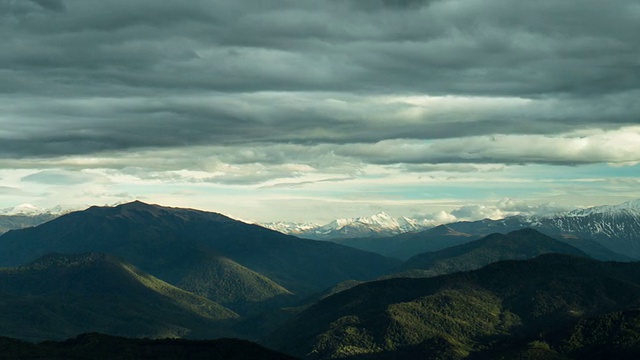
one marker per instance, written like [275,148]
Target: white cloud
[621,146]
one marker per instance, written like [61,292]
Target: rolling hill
[93,346]
[60,296]
[516,245]
[463,314]
[610,336]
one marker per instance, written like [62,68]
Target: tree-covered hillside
[462,314]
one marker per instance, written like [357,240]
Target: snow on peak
[380,219]
[632,205]
[380,223]
[32,210]
[22,209]
[289,227]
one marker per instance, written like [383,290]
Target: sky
[308,110]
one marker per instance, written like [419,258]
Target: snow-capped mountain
[380,224]
[32,210]
[611,210]
[617,227]
[23,209]
[27,215]
[290,228]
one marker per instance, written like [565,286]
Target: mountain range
[32,210]
[13,222]
[476,290]
[614,227]
[27,215]
[236,264]
[604,232]
[380,224]
[517,245]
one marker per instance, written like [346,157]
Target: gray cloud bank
[404,81]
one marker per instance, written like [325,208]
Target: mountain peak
[381,215]
[137,204]
[631,205]
[24,209]
[33,210]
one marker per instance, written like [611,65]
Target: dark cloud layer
[81,77]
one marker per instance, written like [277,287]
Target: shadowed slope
[161,240]
[517,245]
[463,312]
[94,346]
[59,296]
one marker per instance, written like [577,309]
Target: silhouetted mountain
[517,245]
[453,316]
[94,346]
[206,253]
[59,296]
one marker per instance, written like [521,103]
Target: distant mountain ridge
[406,245]
[615,227]
[32,210]
[14,222]
[237,264]
[28,215]
[380,224]
[596,223]
[603,232]
[516,245]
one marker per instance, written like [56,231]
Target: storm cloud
[244,92]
